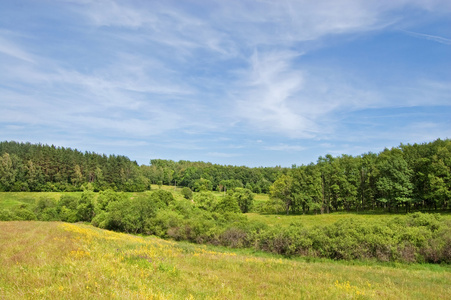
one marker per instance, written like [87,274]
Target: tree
[187,193]
[440,178]
[206,201]
[7,172]
[245,199]
[282,189]
[201,185]
[366,180]
[77,177]
[85,207]
[228,203]
[327,185]
[346,178]
[393,184]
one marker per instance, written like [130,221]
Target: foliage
[187,193]
[282,189]
[228,203]
[206,201]
[245,199]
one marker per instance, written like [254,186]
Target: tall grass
[53,260]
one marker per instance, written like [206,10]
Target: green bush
[245,199]
[228,203]
[163,221]
[24,214]
[106,197]
[85,206]
[187,193]
[69,201]
[7,215]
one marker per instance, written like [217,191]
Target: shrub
[7,215]
[106,197]
[206,201]
[228,203]
[164,220]
[162,196]
[23,214]
[187,193]
[85,206]
[49,214]
[234,237]
[69,201]
[68,215]
[44,203]
[245,199]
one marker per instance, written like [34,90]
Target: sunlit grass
[310,220]
[52,260]
[282,220]
[11,200]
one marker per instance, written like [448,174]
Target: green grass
[309,220]
[321,220]
[53,260]
[11,200]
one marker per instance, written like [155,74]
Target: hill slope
[53,260]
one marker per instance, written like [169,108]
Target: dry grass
[45,260]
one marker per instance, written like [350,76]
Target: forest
[408,177]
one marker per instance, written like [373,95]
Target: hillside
[53,260]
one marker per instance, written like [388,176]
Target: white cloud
[222,154]
[11,49]
[430,37]
[150,68]
[266,90]
[275,94]
[285,148]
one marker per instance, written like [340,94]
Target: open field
[15,199]
[53,260]
[283,220]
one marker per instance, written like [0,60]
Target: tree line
[37,167]
[407,177]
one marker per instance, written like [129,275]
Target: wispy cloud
[222,154]
[176,74]
[285,147]
[9,48]
[265,91]
[429,37]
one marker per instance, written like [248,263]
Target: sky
[236,82]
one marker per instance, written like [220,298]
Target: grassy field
[325,219]
[53,260]
[15,199]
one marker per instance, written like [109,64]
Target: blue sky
[255,83]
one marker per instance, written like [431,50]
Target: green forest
[408,177]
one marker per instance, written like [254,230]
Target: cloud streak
[429,37]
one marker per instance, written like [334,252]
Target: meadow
[55,260]
[215,219]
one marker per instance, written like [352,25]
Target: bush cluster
[417,237]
